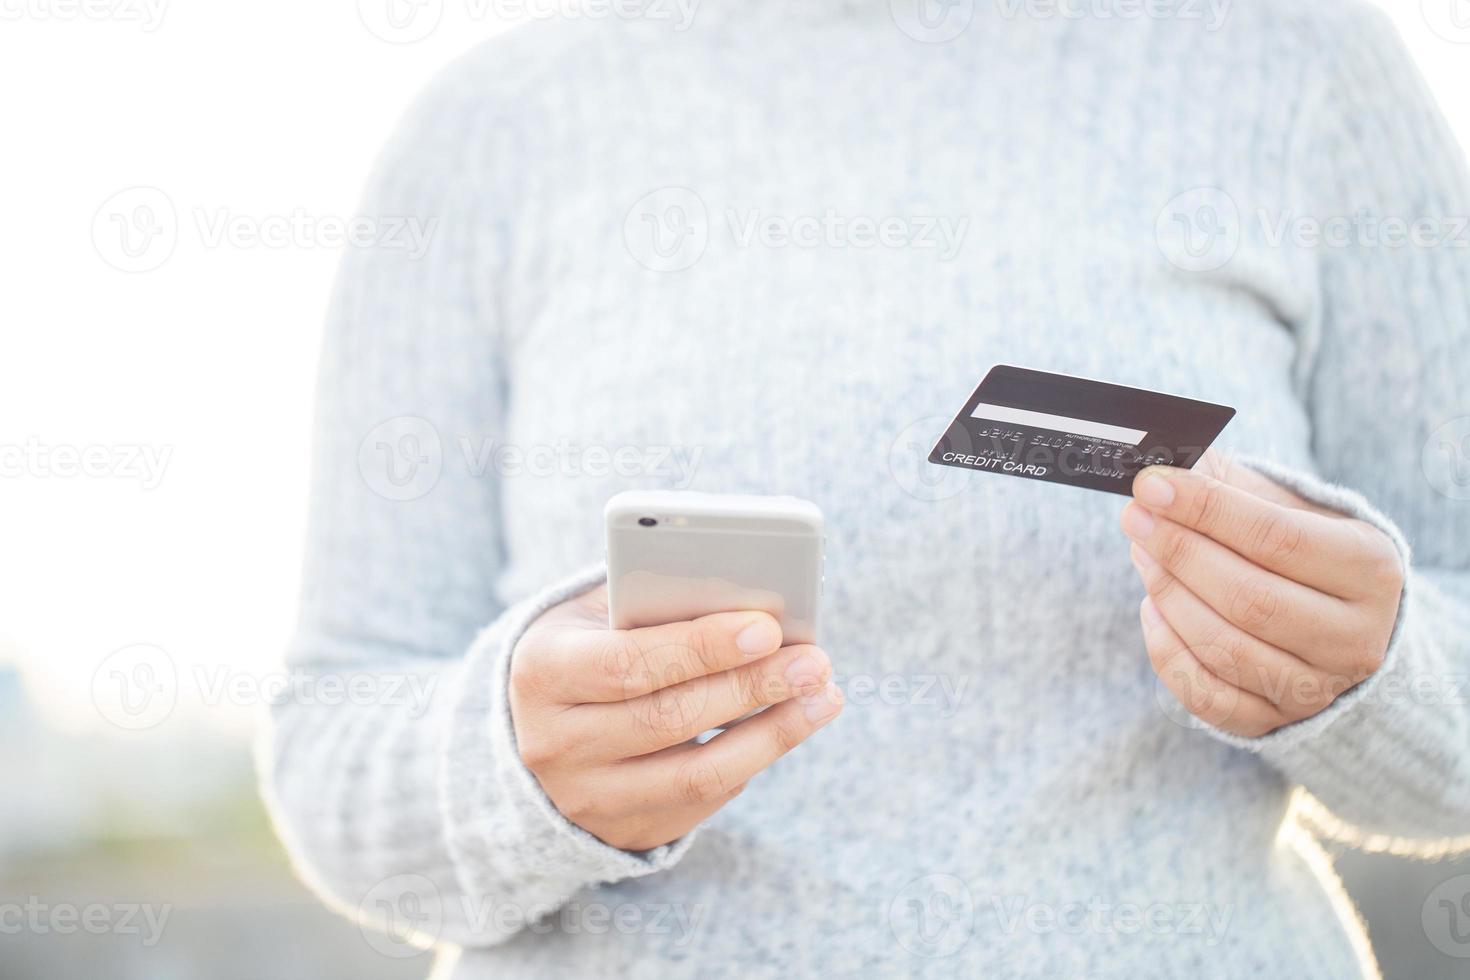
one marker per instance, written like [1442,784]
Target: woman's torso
[1007,756]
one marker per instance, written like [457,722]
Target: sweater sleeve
[1386,376]
[390,766]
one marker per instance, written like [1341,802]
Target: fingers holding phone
[605,718]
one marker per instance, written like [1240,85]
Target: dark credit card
[1083,433]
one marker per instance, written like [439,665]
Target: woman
[726,245]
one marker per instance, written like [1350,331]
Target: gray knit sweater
[771,250]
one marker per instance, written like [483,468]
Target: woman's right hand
[605,718]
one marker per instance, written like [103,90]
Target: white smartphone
[675,555]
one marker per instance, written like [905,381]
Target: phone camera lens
[647,521]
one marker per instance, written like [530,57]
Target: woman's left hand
[1262,608]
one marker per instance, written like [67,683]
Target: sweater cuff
[501,826]
[1372,727]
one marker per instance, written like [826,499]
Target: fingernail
[760,637]
[1154,491]
[1149,613]
[1138,523]
[1142,560]
[823,705]
[806,672]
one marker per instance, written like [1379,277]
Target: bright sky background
[254,109]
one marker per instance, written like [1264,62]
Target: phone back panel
[708,553]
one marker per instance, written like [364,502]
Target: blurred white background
[252,113]
[155,407]
[259,119]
